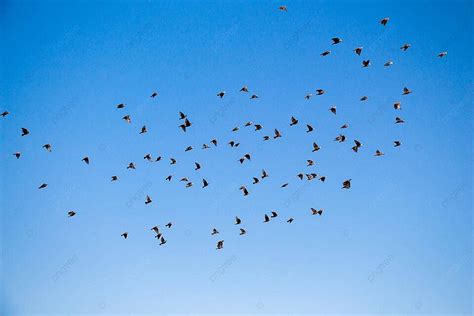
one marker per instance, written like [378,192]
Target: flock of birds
[186,124]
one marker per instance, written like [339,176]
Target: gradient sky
[399,241]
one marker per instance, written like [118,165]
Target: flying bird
[397,106]
[17,155]
[48,147]
[309,128]
[244,190]
[316,212]
[143,130]
[325,53]
[221,94]
[255,180]
[399,120]
[162,241]
[113,178]
[290,220]
[198,166]
[24,131]
[378,153]
[172,161]
[336,40]
[124,235]
[316,147]
[358,50]
[406,91]
[86,160]
[131,166]
[396,143]
[364,98]
[254,96]
[266,219]
[214,231]
[388,63]
[44,185]
[283,8]
[264,174]
[154,94]
[237,221]
[405,47]
[274,214]
[284,185]
[384,21]
[169,225]
[71,213]
[120,106]
[148,199]
[244,89]
[204,183]
[277,133]
[220,244]
[188,148]
[182,116]
[346,184]
[442,54]
[294,121]
[333,110]
[320,92]
[242,231]
[366,63]
[308,96]
[214,142]
[5,113]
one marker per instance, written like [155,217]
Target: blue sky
[399,241]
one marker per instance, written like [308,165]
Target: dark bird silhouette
[264,174]
[124,235]
[266,138]
[358,50]
[316,147]
[344,126]
[220,244]
[188,148]
[406,91]
[5,113]
[277,133]
[172,161]
[17,155]
[154,94]
[309,128]
[442,54]
[255,180]
[378,153]
[214,142]
[48,147]
[86,160]
[283,8]
[131,166]
[340,138]
[205,146]
[325,53]
[143,130]
[182,116]
[44,185]
[396,143]
[198,166]
[397,106]
[242,231]
[284,185]
[316,212]
[258,127]
[320,92]
[214,231]
[309,163]
[148,199]
[300,175]
[120,106]
[127,119]
[364,98]
[322,179]
[156,230]
[384,21]
[162,241]
[290,220]
[405,47]
[244,89]
[294,121]
[113,178]
[237,221]
[169,225]
[388,63]
[71,213]
[366,63]
[189,184]
[266,219]
[254,96]
[168,178]
[274,214]
[24,131]
[221,94]
[333,110]
[336,40]
[346,184]
[399,120]
[244,190]
[308,96]
[204,183]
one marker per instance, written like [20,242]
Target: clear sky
[399,241]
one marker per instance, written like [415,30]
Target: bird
[384,21]
[388,63]
[316,212]
[182,116]
[131,166]
[71,213]
[300,175]
[143,130]
[309,163]
[5,113]
[214,142]
[333,110]
[311,176]
[113,178]
[397,106]
[266,219]
[86,160]
[442,54]
[336,40]
[277,134]
[405,47]
[17,155]
[124,235]
[258,127]
[44,185]
[237,221]
[220,244]
[233,143]
[266,138]
[284,185]
[290,220]
[221,94]
[162,241]
[127,119]
[184,179]
[235,129]
[244,190]
[214,231]
[156,229]
[316,147]
[396,143]
[320,92]
[185,125]
[204,183]
[198,166]
[325,53]
[24,131]
[255,180]
[249,123]
[169,225]
[148,199]
[364,98]
[322,179]
[188,148]
[340,138]
[358,50]
[308,96]
[147,157]
[378,153]
[172,161]
[294,121]
[344,126]
[264,174]
[357,143]
[309,128]
[346,184]
[366,63]
[242,231]
[244,89]
[154,94]
[254,96]
[168,178]
[48,147]
[406,91]
[274,214]
[120,106]
[399,120]
[283,8]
